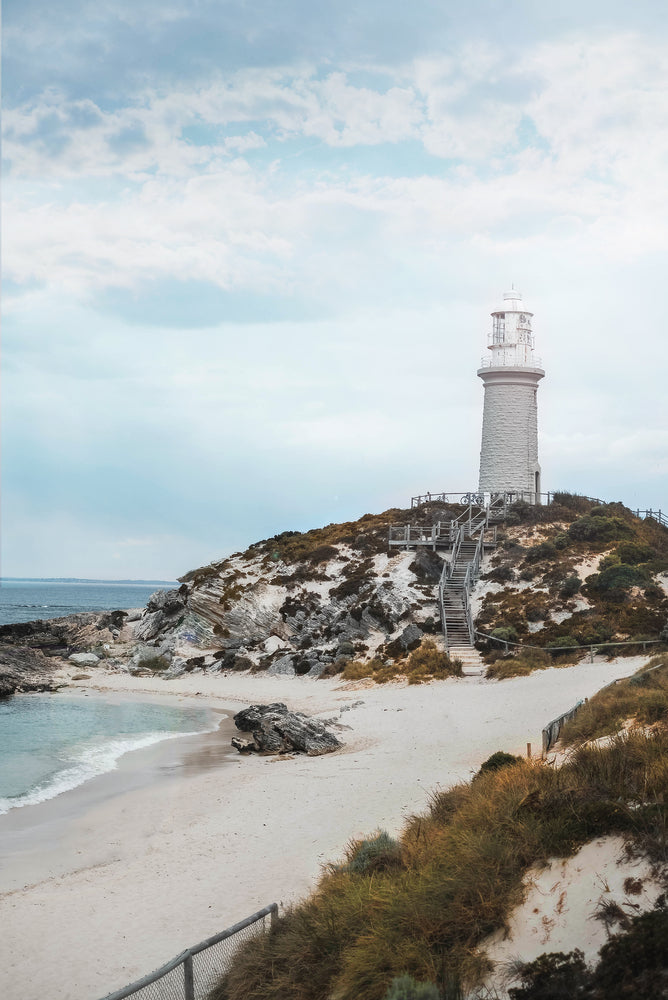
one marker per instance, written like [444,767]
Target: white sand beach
[133,875]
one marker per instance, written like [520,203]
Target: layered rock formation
[275,729]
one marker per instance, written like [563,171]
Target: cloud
[248,297]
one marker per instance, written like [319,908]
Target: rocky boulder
[24,669]
[275,729]
[164,609]
[84,659]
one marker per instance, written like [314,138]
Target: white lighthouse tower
[509,449]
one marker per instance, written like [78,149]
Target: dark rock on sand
[275,729]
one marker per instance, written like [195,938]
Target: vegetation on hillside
[549,598]
[568,575]
[641,699]
[426,663]
[420,907]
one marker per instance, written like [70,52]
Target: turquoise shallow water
[52,743]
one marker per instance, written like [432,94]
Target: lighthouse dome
[512,302]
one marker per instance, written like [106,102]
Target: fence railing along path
[193,974]
[508,498]
[591,647]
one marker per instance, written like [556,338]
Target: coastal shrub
[570,586]
[562,643]
[498,760]
[406,988]
[504,634]
[553,976]
[335,667]
[376,854]
[634,553]
[598,527]
[616,577]
[544,550]
[632,963]
[500,574]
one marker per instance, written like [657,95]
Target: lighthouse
[510,375]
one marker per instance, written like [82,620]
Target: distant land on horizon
[75,579]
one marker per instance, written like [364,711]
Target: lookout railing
[501,501]
[193,974]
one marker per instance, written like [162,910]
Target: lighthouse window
[498,329]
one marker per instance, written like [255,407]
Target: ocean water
[28,600]
[52,743]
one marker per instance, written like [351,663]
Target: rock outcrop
[275,729]
[23,669]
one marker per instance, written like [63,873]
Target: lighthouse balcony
[509,359]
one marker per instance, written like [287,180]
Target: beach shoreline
[146,871]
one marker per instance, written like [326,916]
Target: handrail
[185,957]
[479,499]
[550,649]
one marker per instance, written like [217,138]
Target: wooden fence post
[188,978]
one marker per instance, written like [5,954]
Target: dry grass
[454,877]
[642,698]
[426,663]
[519,666]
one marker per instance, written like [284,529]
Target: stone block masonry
[509,448]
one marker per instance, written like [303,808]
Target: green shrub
[597,527]
[544,550]
[406,988]
[498,760]
[633,553]
[632,963]
[570,586]
[568,641]
[505,633]
[620,577]
[553,976]
[374,855]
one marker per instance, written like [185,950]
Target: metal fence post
[188,978]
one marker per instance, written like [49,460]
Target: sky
[251,249]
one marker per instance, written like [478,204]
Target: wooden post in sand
[529,751]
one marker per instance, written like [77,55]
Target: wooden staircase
[465,536]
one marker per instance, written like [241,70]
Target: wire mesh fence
[193,974]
